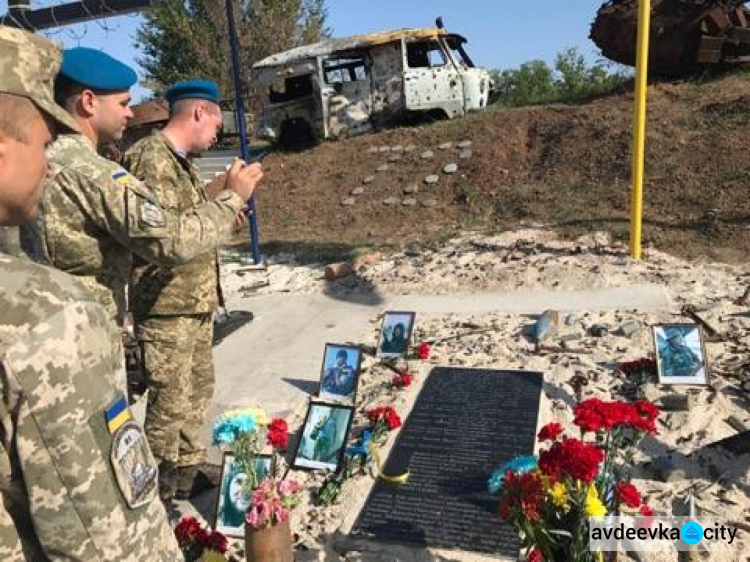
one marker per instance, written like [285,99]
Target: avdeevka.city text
[659,532]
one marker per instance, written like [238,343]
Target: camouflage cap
[28,66]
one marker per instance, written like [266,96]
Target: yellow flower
[594,506]
[259,414]
[559,494]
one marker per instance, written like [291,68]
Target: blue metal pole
[244,146]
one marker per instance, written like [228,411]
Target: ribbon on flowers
[362,448]
[375,453]
[259,414]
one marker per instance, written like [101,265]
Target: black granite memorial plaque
[464,425]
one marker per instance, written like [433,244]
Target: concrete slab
[641,297]
[275,361]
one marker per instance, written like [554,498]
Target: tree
[577,80]
[571,79]
[532,83]
[573,75]
[315,15]
[183,39]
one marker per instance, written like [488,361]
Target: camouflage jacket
[190,288]
[94,214]
[61,469]
[10,240]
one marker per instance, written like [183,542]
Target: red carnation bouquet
[550,498]
[402,380]
[382,420]
[278,434]
[197,542]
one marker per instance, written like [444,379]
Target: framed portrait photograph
[234,497]
[680,354]
[395,334]
[340,373]
[323,441]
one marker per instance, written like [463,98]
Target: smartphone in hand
[258,157]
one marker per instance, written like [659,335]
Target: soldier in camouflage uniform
[77,479]
[94,213]
[677,359]
[173,306]
[10,241]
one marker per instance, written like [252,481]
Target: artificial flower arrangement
[549,499]
[198,543]
[383,420]
[246,433]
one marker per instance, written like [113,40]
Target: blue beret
[96,70]
[192,90]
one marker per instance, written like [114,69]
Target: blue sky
[501,33]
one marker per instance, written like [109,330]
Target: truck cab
[343,87]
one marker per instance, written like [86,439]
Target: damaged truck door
[431,81]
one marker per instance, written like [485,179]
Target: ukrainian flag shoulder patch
[117,414]
[121,177]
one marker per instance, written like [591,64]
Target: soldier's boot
[167,480]
[195,479]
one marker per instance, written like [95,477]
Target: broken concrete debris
[598,330]
[677,402]
[629,328]
[545,326]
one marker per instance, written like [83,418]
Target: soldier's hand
[242,178]
[240,219]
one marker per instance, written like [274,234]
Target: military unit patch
[132,462]
[151,214]
[134,465]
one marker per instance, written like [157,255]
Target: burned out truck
[342,87]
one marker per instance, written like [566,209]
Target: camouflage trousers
[178,366]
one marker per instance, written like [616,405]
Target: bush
[571,79]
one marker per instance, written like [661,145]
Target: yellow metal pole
[639,127]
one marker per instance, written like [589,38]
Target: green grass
[737,175]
